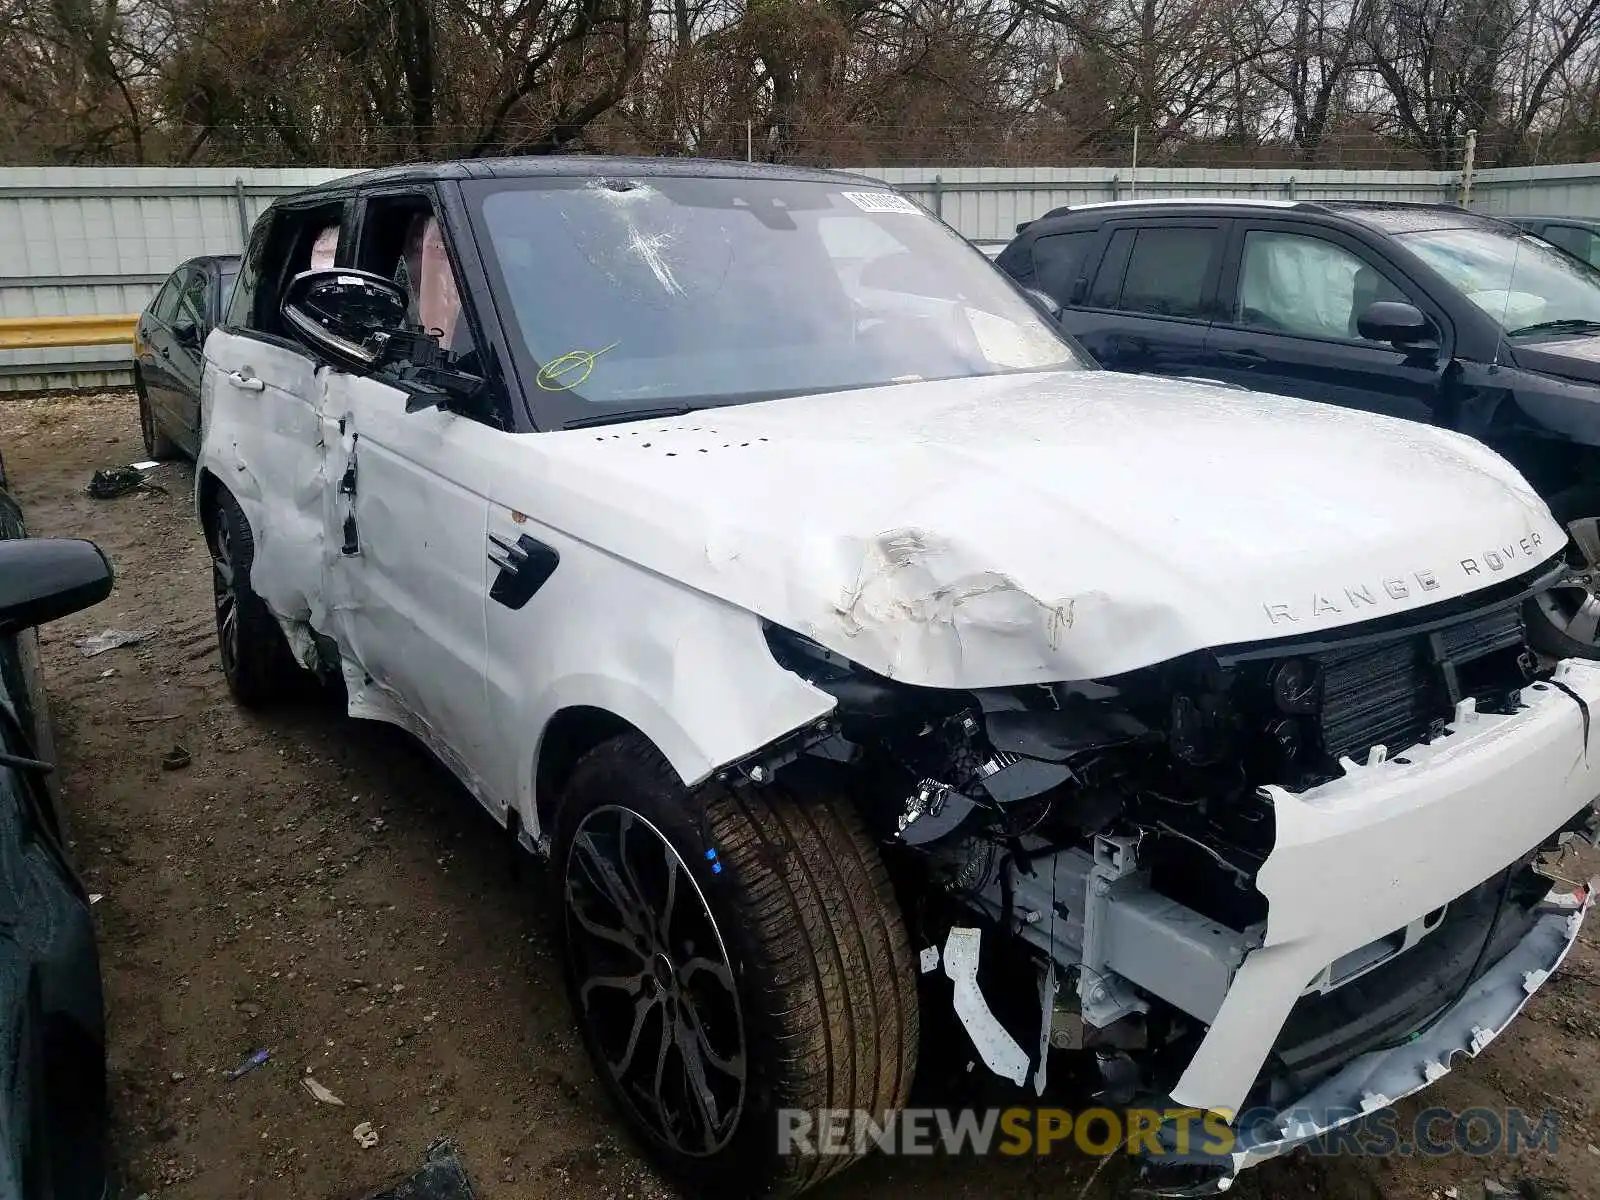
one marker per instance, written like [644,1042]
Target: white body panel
[973,533]
[1027,529]
[1362,856]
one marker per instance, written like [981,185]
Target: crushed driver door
[407,576]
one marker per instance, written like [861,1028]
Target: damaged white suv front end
[859,654]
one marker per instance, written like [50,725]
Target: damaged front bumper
[1382,1077]
[1373,871]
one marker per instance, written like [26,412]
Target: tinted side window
[241,301]
[1306,286]
[1058,262]
[166,302]
[192,300]
[1168,271]
[1108,281]
[1574,240]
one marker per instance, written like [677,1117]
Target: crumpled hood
[1020,529]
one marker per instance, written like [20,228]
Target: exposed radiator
[1392,693]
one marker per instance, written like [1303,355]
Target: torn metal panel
[870,522]
[1393,842]
[1000,1052]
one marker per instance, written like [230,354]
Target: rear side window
[166,302]
[1058,262]
[1169,270]
[192,301]
[1576,241]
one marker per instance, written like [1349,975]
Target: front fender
[691,672]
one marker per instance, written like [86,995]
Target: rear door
[261,414]
[155,346]
[1293,293]
[1152,294]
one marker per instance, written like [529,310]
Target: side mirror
[45,578]
[345,316]
[1403,325]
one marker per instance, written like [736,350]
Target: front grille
[1393,693]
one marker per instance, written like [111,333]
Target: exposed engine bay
[1113,832]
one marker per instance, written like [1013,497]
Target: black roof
[581,166]
[1386,215]
[1540,218]
[223,261]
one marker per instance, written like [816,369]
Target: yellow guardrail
[34,333]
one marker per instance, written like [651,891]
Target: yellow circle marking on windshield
[572,368]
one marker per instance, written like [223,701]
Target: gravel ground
[318,888]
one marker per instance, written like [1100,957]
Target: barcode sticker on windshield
[882,202]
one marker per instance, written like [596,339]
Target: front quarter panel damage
[690,672]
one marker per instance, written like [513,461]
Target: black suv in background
[1425,312]
[1575,235]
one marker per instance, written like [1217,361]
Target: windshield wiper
[634,414]
[1564,323]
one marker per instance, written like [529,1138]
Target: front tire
[1565,621]
[256,660]
[730,953]
[157,445]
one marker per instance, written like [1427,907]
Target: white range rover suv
[864,659]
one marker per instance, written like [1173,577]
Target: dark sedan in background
[53,1112]
[1425,312]
[166,350]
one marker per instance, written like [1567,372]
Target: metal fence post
[938,196]
[1116,186]
[1468,161]
[1288,187]
[244,213]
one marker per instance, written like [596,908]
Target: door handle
[1242,358]
[245,382]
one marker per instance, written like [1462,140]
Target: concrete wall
[100,240]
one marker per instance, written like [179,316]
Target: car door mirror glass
[344,316]
[42,579]
[1396,322]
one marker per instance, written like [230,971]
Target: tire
[256,660]
[157,445]
[1565,621]
[800,988]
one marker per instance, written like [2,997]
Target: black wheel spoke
[664,918]
[653,982]
[702,1101]
[698,1044]
[608,882]
[641,1016]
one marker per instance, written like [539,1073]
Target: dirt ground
[316,887]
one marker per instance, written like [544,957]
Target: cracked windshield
[1528,286]
[697,291]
